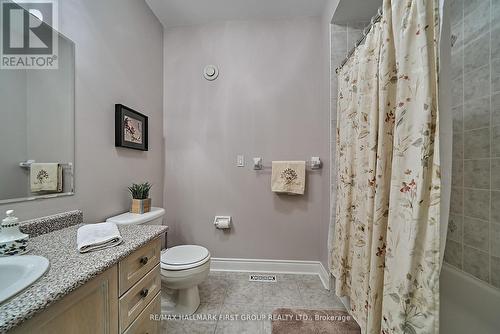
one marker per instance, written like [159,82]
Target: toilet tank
[154,217]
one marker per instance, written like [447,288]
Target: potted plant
[141,203]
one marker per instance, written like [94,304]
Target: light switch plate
[240,161]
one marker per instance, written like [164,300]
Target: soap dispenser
[12,240]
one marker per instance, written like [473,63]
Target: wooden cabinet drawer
[137,264]
[143,324]
[135,300]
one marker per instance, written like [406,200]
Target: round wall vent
[210,72]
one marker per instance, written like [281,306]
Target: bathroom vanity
[114,290]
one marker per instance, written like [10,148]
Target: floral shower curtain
[385,242]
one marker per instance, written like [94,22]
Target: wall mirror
[37,132]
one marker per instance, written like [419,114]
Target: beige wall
[119,59]
[269,102]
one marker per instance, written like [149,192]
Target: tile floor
[225,295]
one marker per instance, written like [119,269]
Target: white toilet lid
[184,256]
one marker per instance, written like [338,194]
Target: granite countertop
[68,268]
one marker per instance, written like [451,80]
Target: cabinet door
[90,309]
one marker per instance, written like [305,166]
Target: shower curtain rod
[366,30]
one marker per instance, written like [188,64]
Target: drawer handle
[144,260]
[144,293]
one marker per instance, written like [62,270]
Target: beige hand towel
[45,177]
[289,177]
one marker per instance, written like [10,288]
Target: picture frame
[131,128]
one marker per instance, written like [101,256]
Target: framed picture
[131,128]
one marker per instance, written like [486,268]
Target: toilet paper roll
[223,223]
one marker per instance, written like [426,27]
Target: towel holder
[314,163]
[27,164]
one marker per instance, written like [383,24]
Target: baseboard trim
[272,267]
[324,276]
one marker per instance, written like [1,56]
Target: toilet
[182,268]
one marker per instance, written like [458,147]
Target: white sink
[19,272]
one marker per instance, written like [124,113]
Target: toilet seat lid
[184,255]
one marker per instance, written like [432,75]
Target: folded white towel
[93,237]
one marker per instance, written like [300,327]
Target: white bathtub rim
[472,279]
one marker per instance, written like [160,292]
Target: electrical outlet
[240,161]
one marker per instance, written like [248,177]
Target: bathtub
[467,304]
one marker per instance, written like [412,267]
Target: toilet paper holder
[222,222]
